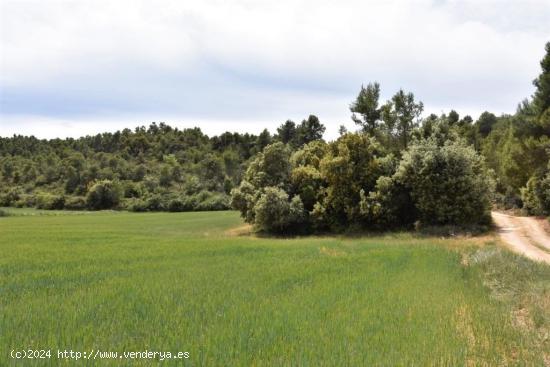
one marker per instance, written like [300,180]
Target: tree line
[397,169]
[154,168]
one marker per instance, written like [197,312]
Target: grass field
[115,281]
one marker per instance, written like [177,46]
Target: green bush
[448,183]
[155,203]
[135,205]
[243,199]
[50,202]
[214,201]
[75,203]
[274,212]
[103,194]
[389,205]
[353,163]
[536,195]
[9,198]
[271,167]
[131,190]
[25,201]
[176,205]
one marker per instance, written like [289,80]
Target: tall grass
[186,282]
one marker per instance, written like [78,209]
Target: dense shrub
[274,212]
[353,163]
[25,200]
[9,198]
[448,183]
[213,201]
[536,195]
[353,183]
[243,199]
[389,205]
[176,205]
[270,167]
[50,202]
[103,194]
[131,190]
[155,203]
[75,203]
[135,205]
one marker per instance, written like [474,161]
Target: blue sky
[71,68]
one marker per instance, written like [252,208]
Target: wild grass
[199,282]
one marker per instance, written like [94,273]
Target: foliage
[353,182]
[50,202]
[103,194]
[353,162]
[366,105]
[536,195]
[541,98]
[274,213]
[448,183]
[158,159]
[75,203]
[401,116]
[271,167]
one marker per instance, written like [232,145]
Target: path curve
[525,235]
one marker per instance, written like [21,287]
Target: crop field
[200,283]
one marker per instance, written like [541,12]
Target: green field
[192,282]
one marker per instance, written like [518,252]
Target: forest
[398,169]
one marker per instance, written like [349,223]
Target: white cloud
[268,59]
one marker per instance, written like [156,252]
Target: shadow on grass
[443,231]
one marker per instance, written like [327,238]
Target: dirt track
[525,235]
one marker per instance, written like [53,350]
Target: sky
[78,67]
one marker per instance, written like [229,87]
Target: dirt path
[525,235]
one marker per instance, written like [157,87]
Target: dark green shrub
[25,201]
[9,198]
[190,203]
[214,201]
[275,213]
[103,194]
[131,190]
[536,195]
[448,183]
[50,202]
[176,205]
[243,199]
[75,203]
[155,203]
[136,205]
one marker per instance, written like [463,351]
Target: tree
[400,116]
[287,132]
[366,105]
[342,130]
[103,195]
[264,139]
[353,163]
[485,123]
[271,167]
[448,183]
[275,213]
[309,130]
[541,98]
[453,117]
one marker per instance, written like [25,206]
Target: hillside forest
[398,169]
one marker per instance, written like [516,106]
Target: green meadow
[201,283]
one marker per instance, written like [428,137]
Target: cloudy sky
[77,67]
